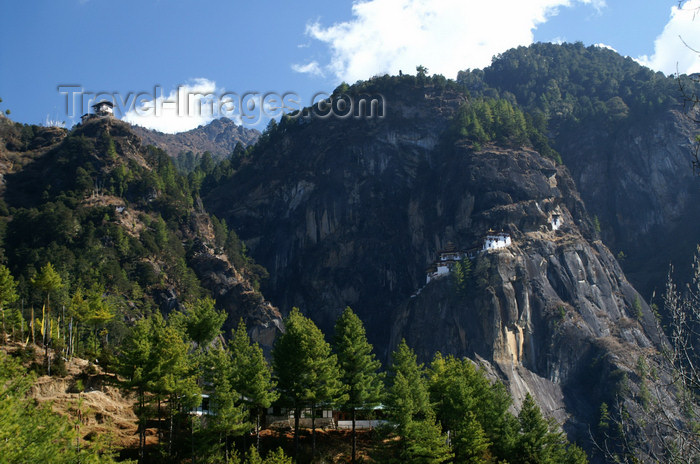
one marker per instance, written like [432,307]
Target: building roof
[103,102]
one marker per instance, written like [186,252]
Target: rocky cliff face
[231,287]
[638,179]
[348,212]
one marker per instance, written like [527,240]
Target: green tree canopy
[307,372]
[358,366]
[8,292]
[251,375]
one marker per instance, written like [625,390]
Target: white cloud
[312,68]
[673,48]
[445,36]
[184,108]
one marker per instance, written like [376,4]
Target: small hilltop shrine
[101,109]
[555,221]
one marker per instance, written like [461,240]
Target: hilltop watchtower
[104,108]
[101,109]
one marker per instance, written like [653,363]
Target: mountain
[563,156]
[114,216]
[219,138]
[627,138]
[352,211]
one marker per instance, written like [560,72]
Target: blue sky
[305,47]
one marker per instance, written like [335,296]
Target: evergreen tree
[540,442]
[155,362]
[49,282]
[461,274]
[408,394]
[424,442]
[460,394]
[8,293]
[307,371]
[358,367]
[173,375]
[471,445]
[251,375]
[135,365]
[229,418]
[421,436]
[202,321]
[98,312]
[277,457]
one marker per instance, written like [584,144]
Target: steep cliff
[627,137]
[637,178]
[352,212]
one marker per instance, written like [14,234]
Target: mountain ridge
[219,137]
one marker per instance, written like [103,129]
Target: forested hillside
[215,295]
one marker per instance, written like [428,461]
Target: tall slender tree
[421,436]
[49,282]
[229,418]
[8,293]
[358,367]
[251,375]
[135,365]
[307,371]
[408,394]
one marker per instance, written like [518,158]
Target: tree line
[447,411]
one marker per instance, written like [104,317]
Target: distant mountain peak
[219,138]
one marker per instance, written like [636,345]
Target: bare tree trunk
[297,413]
[194,457]
[313,429]
[160,422]
[225,447]
[354,436]
[170,437]
[257,429]
[142,428]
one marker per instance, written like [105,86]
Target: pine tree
[460,392]
[203,322]
[98,311]
[135,365]
[421,436]
[47,281]
[408,393]
[251,375]
[173,374]
[277,457]
[358,367]
[8,293]
[471,445]
[424,442]
[540,442]
[307,371]
[229,418]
